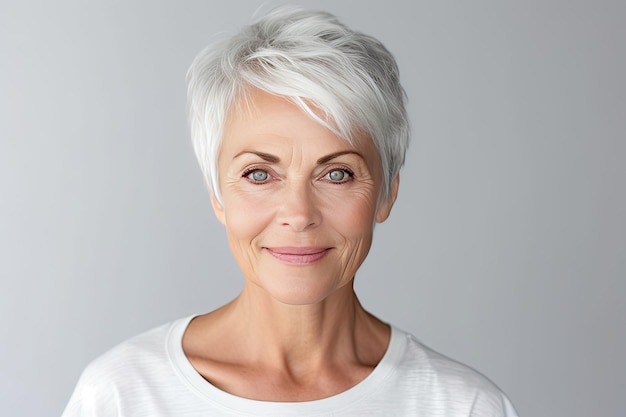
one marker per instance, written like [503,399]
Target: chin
[299,293]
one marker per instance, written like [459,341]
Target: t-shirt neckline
[232,403]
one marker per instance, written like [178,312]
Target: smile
[298,255]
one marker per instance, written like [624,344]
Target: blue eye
[257,175]
[338,175]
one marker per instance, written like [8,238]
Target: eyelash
[250,170]
[246,173]
[349,173]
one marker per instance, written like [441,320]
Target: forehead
[263,118]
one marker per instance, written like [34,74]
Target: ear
[385,207]
[218,209]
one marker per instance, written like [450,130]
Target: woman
[300,128]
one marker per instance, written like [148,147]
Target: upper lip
[297,250]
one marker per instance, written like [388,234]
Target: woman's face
[299,203]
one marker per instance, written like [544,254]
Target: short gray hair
[312,59]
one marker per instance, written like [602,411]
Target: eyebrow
[264,156]
[332,156]
[274,159]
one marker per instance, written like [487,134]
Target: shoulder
[141,351]
[132,366]
[442,381]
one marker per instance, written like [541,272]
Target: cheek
[353,215]
[246,217]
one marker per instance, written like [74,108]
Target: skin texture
[299,207]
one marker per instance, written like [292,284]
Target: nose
[298,207]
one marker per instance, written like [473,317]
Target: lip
[298,255]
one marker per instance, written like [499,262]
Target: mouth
[298,255]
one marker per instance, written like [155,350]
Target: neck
[292,331]
[267,331]
[259,348]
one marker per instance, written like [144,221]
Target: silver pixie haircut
[312,59]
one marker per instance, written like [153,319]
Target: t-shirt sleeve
[507,408]
[492,403]
[93,397]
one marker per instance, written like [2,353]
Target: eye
[338,175]
[257,175]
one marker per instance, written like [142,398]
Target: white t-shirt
[149,375]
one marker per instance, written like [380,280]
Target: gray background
[505,249]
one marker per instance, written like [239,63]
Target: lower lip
[299,256]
